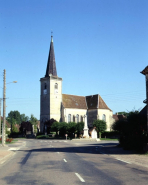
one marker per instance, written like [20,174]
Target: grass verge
[108,139]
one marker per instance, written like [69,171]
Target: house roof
[73,101]
[143,112]
[96,102]
[145,71]
[118,117]
[51,64]
[8,124]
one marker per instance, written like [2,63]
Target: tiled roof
[118,117]
[102,104]
[73,101]
[8,124]
[145,71]
[96,102]
[92,101]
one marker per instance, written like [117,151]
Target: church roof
[96,102]
[145,71]
[51,64]
[82,102]
[73,101]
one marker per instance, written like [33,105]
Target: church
[66,107]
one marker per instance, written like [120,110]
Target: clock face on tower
[56,91]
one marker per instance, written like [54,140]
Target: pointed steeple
[51,64]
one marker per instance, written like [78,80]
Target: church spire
[51,64]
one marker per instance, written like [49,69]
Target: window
[73,118]
[45,86]
[104,117]
[56,86]
[81,118]
[69,118]
[77,118]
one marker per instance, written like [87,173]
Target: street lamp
[4,109]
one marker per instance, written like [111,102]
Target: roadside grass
[108,139]
[47,137]
[12,142]
[42,137]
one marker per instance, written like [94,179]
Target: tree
[15,115]
[24,118]
[63,128]
[55,127]
[79,127]
[100,126]
[133,131]
[71,128]
[33,120]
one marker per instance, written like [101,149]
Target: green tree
[133,131]
[33,120]
[24,118]
[79,127]
[63,128]
[55,127]
[71,128]
[100,126]
[15,115]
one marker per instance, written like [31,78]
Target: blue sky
[100,48]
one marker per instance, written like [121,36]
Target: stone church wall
[108,117]
[91,116]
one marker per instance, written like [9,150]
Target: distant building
[26,128]
[118,117]
[66,107]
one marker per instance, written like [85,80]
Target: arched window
[45,86]
[69,118]
[56,86]
[77,118]
[104,117]
[73,118]
[81,118]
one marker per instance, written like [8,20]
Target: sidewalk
[126,155]
[9,150]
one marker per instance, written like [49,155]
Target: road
[60,162]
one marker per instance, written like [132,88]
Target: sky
[101,46]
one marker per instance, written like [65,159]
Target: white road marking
[58,152]
[3,162]
[65,160]
[65,141]
[81,179]
[13,148]
[123,161]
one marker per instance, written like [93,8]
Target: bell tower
[51,91]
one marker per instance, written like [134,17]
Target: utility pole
[4,110]
[0,118]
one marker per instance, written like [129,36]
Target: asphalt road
[57,162]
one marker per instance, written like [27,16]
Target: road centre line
[65,160]
[123,161]
[81,179]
